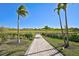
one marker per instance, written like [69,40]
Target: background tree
[21,12]
[46,27]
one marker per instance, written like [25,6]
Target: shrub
[29,35]
[3,37]
[72,37]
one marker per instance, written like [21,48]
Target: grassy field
[73,50]
[10,47]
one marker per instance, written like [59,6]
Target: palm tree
[64,6]
[58,12]
[66,24]
[21,12]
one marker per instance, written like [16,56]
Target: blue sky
[39,15]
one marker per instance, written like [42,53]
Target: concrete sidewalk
[40,47]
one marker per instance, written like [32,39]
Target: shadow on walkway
[44,51]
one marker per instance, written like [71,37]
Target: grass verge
[73,50]
[11,48]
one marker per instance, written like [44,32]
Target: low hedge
[5,36]
[72,37]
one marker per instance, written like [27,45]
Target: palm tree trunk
[62,29]
[66,28]
[18,39]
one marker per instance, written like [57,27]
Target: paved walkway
[40,47]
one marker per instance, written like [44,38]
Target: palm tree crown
[22,11]
[62,6]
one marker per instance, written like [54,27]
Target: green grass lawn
[73,50]
[11,48]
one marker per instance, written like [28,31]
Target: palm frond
[55,9]
[58,10]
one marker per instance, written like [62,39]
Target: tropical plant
[64,6]
[21,12]
[29,36]
[58,12]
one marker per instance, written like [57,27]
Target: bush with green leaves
[11,36]
[29,35]
[3,37]
[53,35]
[72,37]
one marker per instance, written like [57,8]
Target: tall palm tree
[21,12]
[64,7]
[66,24]
[58,12]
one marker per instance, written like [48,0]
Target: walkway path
[40,47]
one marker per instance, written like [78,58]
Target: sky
[40,15]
